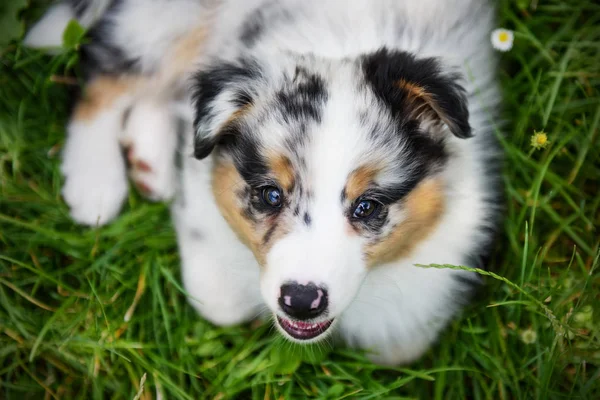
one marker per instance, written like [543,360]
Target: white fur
[95,177]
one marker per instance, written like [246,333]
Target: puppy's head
[326,169]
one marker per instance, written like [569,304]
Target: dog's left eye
[365,209]
[272,196]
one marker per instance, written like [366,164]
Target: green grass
[64,289]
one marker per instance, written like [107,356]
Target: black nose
[303,301]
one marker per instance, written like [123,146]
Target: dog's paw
[151,178]
[95,178]
[150,140]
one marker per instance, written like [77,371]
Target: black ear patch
[203,147]
[231,77]
[227,135]
[418,89]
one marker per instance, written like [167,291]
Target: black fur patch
[307,219]
[383,69]
[303,98]
[80,6]
[269,233]
[209,84]
[253,28]
[425,154]
[248,159]
[100,56]
[242,98]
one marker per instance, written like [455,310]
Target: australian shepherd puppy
[316,153]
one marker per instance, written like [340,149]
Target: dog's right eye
[272,196]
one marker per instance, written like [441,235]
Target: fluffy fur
[337,144]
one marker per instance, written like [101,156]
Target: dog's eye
[272,196]
[365,209]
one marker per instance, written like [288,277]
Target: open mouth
[301,330]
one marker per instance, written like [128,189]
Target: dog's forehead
[326,122]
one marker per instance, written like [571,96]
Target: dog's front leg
[95,172]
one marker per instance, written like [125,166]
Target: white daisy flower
[528,336]
[502,39]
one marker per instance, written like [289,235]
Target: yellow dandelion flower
[539,140]
[502,39]
[528,336]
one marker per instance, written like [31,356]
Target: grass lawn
[534,331]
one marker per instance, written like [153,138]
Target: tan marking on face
[359,181]
[101,94]
[226,181]
[425,106]
[424,207]
[282,169]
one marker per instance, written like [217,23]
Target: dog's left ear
[419,90]
[223,93]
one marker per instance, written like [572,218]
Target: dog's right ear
[223,93]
